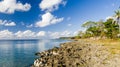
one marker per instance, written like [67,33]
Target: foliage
[103,29]
[111,28]
[89,24]
[108,29]
[117,16]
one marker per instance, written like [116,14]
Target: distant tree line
[109,28]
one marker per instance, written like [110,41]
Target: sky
[50,18]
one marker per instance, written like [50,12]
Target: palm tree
[101,26]
[89,24]
[117,16]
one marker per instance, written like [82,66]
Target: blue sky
[51,17]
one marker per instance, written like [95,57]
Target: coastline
[78,53]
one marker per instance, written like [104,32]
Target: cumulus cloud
[65,33]
[6,34]
[29,26]
[51,5]
[25,34]
[48,6]
[10,24]
[7,23]
[110,17]
[28,34]
[54,35]
[41,33]
[10,6]
[2,22]
[48,19]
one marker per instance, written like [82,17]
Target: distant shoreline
[17,39]
[23,39]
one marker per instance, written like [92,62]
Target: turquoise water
[21,53]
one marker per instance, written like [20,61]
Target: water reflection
[6,54]
[41,45]
[20,53]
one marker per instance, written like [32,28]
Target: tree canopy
[108,29]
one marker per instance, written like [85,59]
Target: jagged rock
[77,54]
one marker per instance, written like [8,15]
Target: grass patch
[112,44]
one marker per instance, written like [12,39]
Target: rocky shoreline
[77,54]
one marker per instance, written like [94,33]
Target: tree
[117,16]
[101,27]
[109,28]
[80,33]
[112,29]
[94,31]
[89,24]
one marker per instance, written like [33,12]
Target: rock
[77,54]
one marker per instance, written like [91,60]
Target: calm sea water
[21,53]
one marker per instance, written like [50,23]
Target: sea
[21,53]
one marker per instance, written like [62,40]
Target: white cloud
[19,34]
[53,35]
[75,33]
[10,6]
[7,23]
[48,19]
[51,5]
[2,22]
[6,34]
[10,24]
[41,33]
[28,34]
[66,33]
[110,17]
[25,34]
[60,34]
[29,26]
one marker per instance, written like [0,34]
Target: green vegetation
[117,16]
[102,29]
